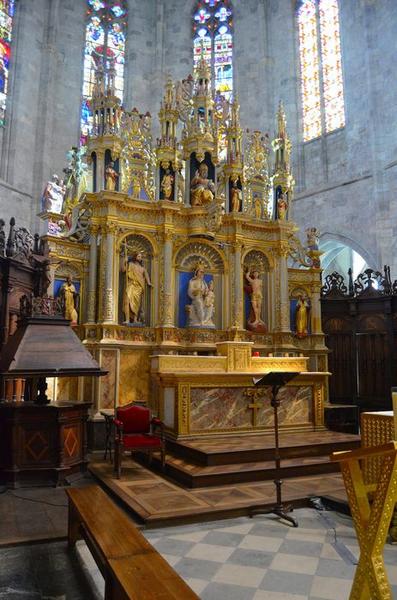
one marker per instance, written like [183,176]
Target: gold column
[108,311]
[283,318]
[167,308]
[316,308]
[92,276]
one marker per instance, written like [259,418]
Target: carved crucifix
[257,395]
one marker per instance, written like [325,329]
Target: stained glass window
[7,8]
[104,47]
[321,69]
[213,33]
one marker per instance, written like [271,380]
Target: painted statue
[257,207]
[53,195]
[136,279]
[302,317]
[111,177]
[312,236]
[69,297]
[202,189]
[254,290]
[282,207]
[167,185]
[209,305]
[201,310]
[235,197]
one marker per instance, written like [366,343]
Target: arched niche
[68,269]
[186,262]
[297,293]
[256,297]
[134,292]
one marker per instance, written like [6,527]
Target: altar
[181,258]
[209,395]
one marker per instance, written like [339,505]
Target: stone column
[92,276]
[167,311]
[108,309]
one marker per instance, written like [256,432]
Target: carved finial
[281,121]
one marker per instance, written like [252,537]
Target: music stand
[276,380]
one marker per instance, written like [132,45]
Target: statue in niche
[136,187]
[201,310]
[254,289]
[181,185]
[53,195]
[69,300]
[167,185]
[209,305]
[235,196]
[136,279]
[282,207]
[302,316]
[257,206]
[202,189]
[111,177]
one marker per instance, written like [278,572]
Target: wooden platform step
[237,459]
[254,448]
[194,476]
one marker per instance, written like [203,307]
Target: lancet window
[213,36]
[104,49]
[7,8]
[320,67]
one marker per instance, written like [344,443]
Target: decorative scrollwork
[372,283]
[298,253]
[334,286]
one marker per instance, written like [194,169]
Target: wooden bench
[131,567]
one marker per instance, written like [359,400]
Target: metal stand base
[280,511]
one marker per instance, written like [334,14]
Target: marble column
[92,276]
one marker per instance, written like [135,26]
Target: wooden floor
[157,501]
[227,476]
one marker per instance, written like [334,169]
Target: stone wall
[346,181]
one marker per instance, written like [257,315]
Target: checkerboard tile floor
[263,559]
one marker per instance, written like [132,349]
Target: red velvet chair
[135,430]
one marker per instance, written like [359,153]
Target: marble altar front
[209,395]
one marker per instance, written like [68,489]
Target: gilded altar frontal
[178,238]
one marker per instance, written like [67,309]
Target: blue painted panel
[184,299]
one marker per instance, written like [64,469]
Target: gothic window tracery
[7,8]
[213,35]
[320,67]
[104,47]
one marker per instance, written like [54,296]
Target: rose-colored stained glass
[331,65]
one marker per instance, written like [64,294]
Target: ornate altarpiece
[191,201]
